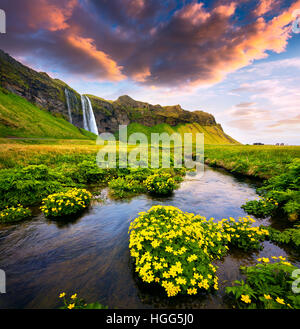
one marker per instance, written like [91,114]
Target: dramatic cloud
[157,43]
[99,58]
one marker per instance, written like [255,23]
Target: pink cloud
[50,15]
[107,68]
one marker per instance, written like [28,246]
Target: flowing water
[68,96]
[89,121]
[90,255]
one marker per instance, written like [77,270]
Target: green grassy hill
[212,134]
[19,118]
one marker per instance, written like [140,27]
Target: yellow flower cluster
[66,203]
[281,258]
[160,183]
[14,214]
[243,234]
[175,249]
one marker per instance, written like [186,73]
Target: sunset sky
[239,60]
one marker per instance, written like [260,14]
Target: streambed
[90,255]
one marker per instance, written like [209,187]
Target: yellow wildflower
[246,299]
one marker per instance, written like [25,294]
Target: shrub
[89,172]
[243,235]
[268,286]
[14,214]
[28,185]
[66,203]
[175,249]
[280,192]
[260,208]
[75,302]
[289,236]
[170,248]
[160,184]
[123,187]
[137,174]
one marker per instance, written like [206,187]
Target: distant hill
[49,94]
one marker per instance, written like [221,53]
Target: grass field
[259,161]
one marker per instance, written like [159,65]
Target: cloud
[264,7]
[245,104]
[242,124]
[164,44]
[291,123]
[50,15]
[109,68]
[200,47]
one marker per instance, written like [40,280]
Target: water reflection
[90,255]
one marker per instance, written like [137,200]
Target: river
[90,255]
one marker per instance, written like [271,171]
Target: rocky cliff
[47,93]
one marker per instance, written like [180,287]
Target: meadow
[257,161]
[262,161]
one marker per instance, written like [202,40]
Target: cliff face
[47,93]
[38,88]
[125,110]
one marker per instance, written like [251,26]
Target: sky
[238,60]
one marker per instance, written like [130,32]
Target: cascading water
[68,98]
[89,121]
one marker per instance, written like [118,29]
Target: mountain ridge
[47,93]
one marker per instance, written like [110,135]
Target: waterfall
[68,97]
[89,121]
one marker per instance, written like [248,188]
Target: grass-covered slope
[19,118]
[212,134]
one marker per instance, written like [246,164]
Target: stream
[90,256]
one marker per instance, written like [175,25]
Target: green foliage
[14,214]
[175,249]
[77,303]
[260,208]
[290,236]
[160,184]
[280,192]
[132,181]
[267,286]
[89,172]
[28,185]
[125,187]
[66,203]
